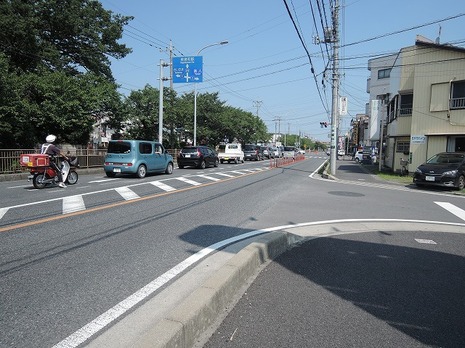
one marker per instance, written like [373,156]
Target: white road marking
[460,213]
[3,211]
[102,180]
[163,186]
[425,241]
[224,174]
[188,181]
[84,333]
[92,328]
[209,177]
[72,204]
[126,193]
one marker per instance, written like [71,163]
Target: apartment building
[417,99]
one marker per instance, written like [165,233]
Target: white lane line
[90,329]
[3,211]
[127,193]
[460,213]
[236,172]
[73,203]
[163,186]
[102,180]
[188,181]
[226,175]
[84,333]
[209,177]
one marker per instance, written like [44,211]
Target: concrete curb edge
[185,324]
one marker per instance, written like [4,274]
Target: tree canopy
[55,78]
[55,74]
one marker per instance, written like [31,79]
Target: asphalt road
[377,289]
[60,269]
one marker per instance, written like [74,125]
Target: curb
[184,326]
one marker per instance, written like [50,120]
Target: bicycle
[403,167]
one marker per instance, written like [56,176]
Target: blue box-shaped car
[138,157]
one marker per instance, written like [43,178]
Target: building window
[403,146]
[457,100]
[406,104]
[384,73]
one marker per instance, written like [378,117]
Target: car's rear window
[250,147]
[288,148]
[189,150]
[119,147]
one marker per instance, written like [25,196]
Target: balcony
[405,111]
[457,103]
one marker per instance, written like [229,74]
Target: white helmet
[50,138]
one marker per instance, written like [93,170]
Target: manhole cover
[346,193]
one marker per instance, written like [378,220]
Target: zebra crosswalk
[81,202]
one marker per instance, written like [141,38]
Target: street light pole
[195,89]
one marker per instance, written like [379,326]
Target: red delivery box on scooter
[34,160]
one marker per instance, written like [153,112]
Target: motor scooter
[43,174]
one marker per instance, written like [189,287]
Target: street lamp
[195,89]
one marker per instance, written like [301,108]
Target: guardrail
[88,158]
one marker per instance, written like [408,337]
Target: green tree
[55,71]
[142,108]
[65,35]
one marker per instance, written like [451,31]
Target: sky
[272,65]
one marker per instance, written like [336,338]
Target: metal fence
[88,158]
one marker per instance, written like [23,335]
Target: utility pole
[335,87]
[257,104]
[171,64]
[160,102]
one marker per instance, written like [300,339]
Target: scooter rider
[53,151]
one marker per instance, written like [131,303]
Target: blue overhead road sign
[187,69]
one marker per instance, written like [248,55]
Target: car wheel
[216,163]
[202,165]
[110,174]
[461,182]
[180,166]
[141,171]
[169,168]
[357,160]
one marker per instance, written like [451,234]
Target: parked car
[252,152]
[363,157]
[266,151]
[276,152]
[231,152]
[138,157]
[289,152]
[197,156]
[341,152]
[446,169]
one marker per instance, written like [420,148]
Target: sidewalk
[351,170]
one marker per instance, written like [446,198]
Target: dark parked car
[197,156]
[252,152]
[445,169]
